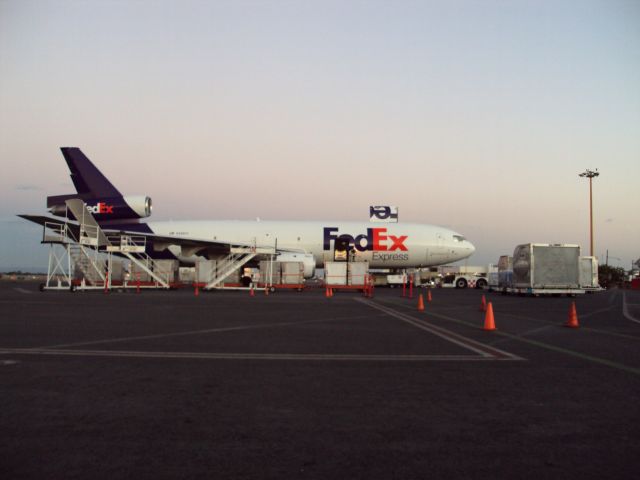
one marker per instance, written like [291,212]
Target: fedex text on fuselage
[376,240]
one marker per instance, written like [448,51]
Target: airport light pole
[590,174]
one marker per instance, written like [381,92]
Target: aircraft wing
[188,246]
[52,222]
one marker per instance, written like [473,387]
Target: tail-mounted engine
[117,208]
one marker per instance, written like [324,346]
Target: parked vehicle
[464,280]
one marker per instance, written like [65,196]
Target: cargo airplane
[383,245]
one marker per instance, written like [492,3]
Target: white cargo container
[138,274]
[505,272]
[335,273]
[357,273]
[205,270]
[546,268]
[270,273]
[166,269]
[492,277]
[292,273]
[117,271]
[187,274]
[589,273]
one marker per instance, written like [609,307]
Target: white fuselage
[383,245]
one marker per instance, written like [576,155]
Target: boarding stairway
[237,258]
[82,251]
[67,254]
[59,273]
[86,260]
[134,248]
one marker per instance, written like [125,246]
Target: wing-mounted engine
[306,258]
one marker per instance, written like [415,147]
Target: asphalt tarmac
[296,385]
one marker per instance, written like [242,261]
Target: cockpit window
[459,238]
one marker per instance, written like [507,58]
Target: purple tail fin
[85,175]
[101,198]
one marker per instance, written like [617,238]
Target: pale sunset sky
[475,115]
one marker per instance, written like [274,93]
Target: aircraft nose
[466,249]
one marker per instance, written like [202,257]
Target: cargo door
[436,252]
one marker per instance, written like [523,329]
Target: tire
[481,283]
[461,283]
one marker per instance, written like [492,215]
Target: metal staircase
[67,254]
[88,262]
[59,273]
[134,248]
[237,258]
[84,251]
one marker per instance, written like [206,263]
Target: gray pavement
[170,385]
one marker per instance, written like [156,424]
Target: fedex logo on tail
[376,239]
[100,207]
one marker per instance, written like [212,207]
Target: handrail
[60,230]
[122,240]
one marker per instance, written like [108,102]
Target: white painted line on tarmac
[482,349]
[625,309]
[525,334]
[247,356]
[200,332]
[22,290]
[595,312]
[547,346]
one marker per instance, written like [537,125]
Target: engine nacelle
[140,204]
[306,258]
[117,208]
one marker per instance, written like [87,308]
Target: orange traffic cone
[266,291]
[483,304]
[489,322]
[420,304]
[252,293]
[196,292]
[572,321]
[429,295]
[331,292]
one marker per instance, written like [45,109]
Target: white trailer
[397,280]
[493,277]
[546,269]
[589,274]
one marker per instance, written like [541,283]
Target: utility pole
[590,174]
